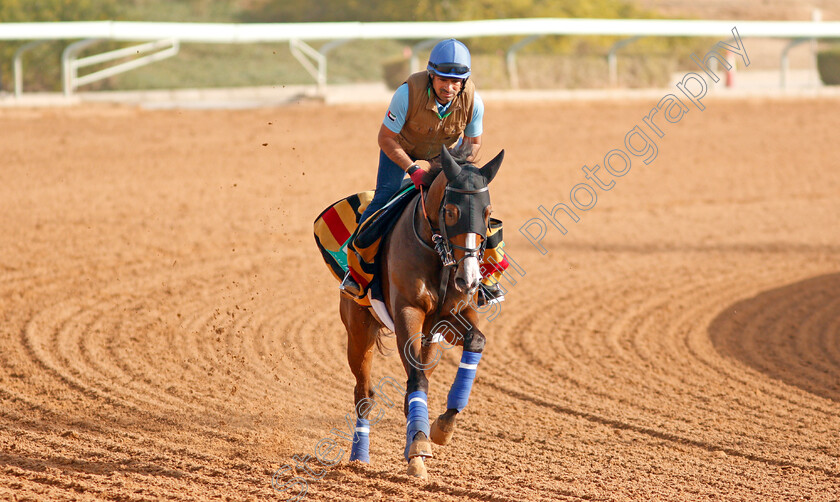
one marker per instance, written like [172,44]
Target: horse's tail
[380,344]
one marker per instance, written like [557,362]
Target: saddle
[338,226]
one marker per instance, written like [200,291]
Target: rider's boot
[489,294]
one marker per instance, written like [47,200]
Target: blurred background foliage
[550,61]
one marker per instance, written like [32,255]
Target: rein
[442,250]
[441,243]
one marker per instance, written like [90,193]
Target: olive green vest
[425,131]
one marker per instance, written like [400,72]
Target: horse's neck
[425,218]
[434,196]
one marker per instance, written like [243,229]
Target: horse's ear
[450,168]
[491,168]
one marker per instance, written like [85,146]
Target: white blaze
[472,271]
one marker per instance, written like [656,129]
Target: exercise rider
[431,108]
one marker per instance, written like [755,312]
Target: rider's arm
[392,148]
[471,142]
[392,124]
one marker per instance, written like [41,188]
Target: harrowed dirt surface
[169,331]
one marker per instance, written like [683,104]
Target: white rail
[283,32]
[296,33]
[158,50]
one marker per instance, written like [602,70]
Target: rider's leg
[493,266]
[389,177]
[388,180]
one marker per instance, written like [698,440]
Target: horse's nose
[465,287]
[461,284]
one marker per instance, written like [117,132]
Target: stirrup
[488,295]
[350,286]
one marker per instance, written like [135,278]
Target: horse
[429,275]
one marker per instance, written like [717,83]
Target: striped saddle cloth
[338,226]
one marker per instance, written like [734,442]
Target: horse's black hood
[467,190]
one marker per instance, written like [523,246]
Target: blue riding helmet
[450,58]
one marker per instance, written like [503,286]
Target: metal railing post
[510,59]
[68,70]
[785,63]
[302,52]
[324,50]
[17,64]
[612,60]
[414,63]
[816,16]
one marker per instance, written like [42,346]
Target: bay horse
[429,274]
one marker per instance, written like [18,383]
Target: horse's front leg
[459,393]
[408,324]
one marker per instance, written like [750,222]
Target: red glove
[418,176]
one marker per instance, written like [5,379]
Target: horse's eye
[451,215]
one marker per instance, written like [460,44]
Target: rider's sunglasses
[451,68]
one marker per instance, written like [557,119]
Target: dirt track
[169,331]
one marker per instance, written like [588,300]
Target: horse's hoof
[442,430]
[417,468]
[420,447]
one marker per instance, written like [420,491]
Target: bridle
[443,246]
[476,252]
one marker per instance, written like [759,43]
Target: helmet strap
[463,86]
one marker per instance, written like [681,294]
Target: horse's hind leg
[362,332]
[459,394]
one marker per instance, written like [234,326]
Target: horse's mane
[460,157]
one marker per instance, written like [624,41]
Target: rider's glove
[417,176]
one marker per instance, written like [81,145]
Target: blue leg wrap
[418,418]
[361,441]
[459,394]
